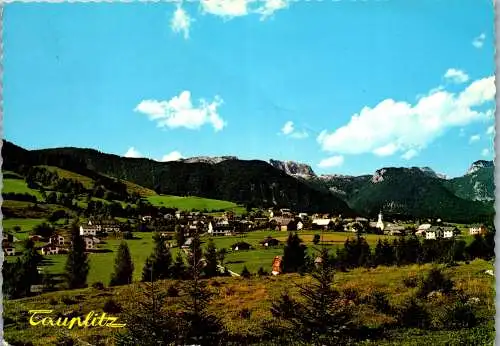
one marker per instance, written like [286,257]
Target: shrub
[380,302]
[173,291]
[112,307]
[460,315]
[98,285]
[410,282]
[245,313]
[65,341]
[245,272]
[52,301]
[261,272]
[413,315]
[435,281]
[68,301]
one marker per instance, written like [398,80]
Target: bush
[68,301]
[262,272]
[245,313]
[112,307]
[52,301]
[173,291]
[98,285]
[410,282]
[245,272]
[413,315]
[380,302]
[65,341]
[435,281]
[460,315]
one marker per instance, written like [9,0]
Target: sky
[347,87]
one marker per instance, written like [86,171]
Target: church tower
[380,223]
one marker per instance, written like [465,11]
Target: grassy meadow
[190,203]
[257,294]
[19,186]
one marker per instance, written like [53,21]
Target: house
[89,229]
[303,216]
[435,232]
[422,229]
[477,229]
[146,218]
[187,243]
[89,243]
[220,228]
[394,230]
[270,241]
[51,249]
[169,217]
[276,266]
[241,246]
[110,227]
[282,222]
[36,237]
[8,249]
[321,223]
[57,239]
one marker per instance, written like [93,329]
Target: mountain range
[405,192]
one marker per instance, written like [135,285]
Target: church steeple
[380,222]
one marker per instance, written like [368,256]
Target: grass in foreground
[256,295]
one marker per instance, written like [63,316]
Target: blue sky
[347,87]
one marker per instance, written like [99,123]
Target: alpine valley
[404,192]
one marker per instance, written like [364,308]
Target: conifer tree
[179,267]
[124,268]
[322,317]
[294,254]
[179,235]
[77,263]
[160,259]
[201,326]
[147,323]
[211,267]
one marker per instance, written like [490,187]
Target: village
[228,224]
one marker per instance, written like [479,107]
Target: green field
[19,186]
[190,203]
[101,264]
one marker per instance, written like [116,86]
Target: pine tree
[178,268]
[294,254]
[202,327]
[388,253]
[160,259]
[77,263]
[124,268]
[179,235]
[322,316]
[195,252]
[147,323]
[245,272]
[30,260]
[211,268]
[378,256]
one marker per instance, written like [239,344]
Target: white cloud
[386,150]
[456,76]
[333,161]
[289,130]
[173,156]
[461,133]
[409,154]
[237,8]
[271,6]
[132,152]
[180,112]
[491,130]
[485,152]
[226,8]
[397,126]
[181,22]
[479,41]
[474,138]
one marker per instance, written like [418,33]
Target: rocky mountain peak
[294,168]
[208,159]
[478,165]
